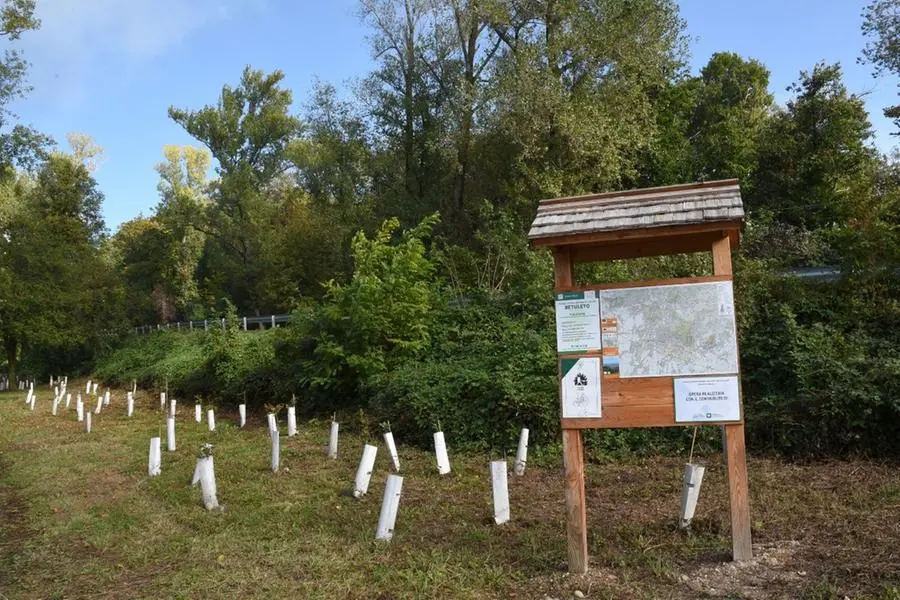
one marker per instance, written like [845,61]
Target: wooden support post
[735,449]
[739,492]
[576,510]
[573,452]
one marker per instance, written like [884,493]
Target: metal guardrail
[247,323]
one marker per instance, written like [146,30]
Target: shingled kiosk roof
[647,213]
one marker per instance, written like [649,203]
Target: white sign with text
[713,399]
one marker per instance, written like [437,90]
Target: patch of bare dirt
[772,568]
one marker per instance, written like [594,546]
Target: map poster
[669,330]
[580,387]
[577,322]
[707,399]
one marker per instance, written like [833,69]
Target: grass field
[81,519]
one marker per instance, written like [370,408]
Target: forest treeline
[390,218]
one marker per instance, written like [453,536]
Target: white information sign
[707,399]
[580,387]
[577,322]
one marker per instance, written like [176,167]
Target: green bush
[486,375]
[220,365]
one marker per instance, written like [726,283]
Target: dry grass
[80,519]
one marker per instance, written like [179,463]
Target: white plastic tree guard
[392,449]
[211,419]
[521,453]
[276,451]
[440,453]
[389,505]
[333,440]
[68,400]
[364,471]
[87,387]
[500,490]
[106,398]
[173,405]
[79,410]
[95,385]
[242,413]
[154,467]
[129,404]
[170,433]
[54,405]
[87,422]
[690,493]
[198,413]
[99,405]
[273,424]
[205,474]
[291,421]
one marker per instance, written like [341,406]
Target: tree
[60,293]
[406,107]
[733,105]
[85,150]
[333,159]
[814,154]
[21,145]
[573,87]
[881,27]
[247,132]
[459,55]
[181,213]
[141,250]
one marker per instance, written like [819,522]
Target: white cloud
[80,37]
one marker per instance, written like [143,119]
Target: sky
[111,68]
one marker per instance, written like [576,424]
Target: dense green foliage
[392,225]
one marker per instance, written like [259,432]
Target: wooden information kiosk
[651,353]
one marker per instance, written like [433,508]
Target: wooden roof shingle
[691,204]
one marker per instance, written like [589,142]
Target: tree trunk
[12,347]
